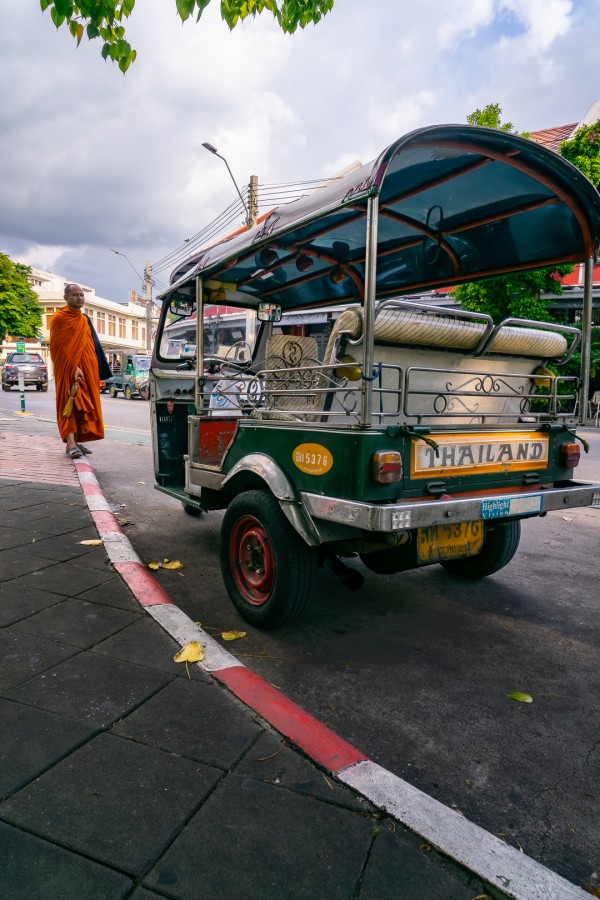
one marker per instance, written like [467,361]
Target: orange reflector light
[569,455]
[386,466]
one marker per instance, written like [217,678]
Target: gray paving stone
[141,893]
[271,761]
[69,579]
[22,657]
[95,689]
[269,842]
[146,644]
[113,800]
[34,869]
[42,496]
[17,602]
[13,537]
[31,740]
[399,868]
[63,547]
[49,525]
[77,622]
[112,592]
[197,720]
[19,561]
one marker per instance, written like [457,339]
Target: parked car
[130,372]
[32,366]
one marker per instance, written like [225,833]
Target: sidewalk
[122,774]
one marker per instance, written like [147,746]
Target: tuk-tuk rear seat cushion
[401,326]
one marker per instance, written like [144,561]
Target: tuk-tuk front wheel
[267,568]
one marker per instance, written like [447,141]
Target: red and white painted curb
[514,874]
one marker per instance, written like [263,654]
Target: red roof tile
[552,138]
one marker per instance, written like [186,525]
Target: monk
[77,357]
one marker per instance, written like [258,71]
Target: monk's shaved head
[74,296]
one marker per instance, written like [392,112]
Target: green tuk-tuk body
[411,433]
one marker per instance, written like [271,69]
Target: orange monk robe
[72,346]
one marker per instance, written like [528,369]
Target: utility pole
[148,288]
[253,200]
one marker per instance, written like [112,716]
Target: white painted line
[183,630]
[87,477]
[516,875]
[118,547]
[97,503]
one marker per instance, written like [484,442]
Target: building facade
[120,326]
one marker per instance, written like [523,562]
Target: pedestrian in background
[79,364]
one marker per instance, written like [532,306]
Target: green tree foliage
[517,295]
[104,18]
[20,310]
[491,117]
[583,150]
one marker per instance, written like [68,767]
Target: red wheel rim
[252,560]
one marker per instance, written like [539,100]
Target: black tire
[499,547]
[127,392]
[6,387]
[44,388]
[267,568]
[191,510]
[112,391]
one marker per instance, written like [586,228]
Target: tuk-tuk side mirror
[268,312]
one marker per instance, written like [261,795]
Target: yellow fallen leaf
[190,652]
[174,564]
[141,482]
[520,697]
[154,566]
[233,635]
[95,543]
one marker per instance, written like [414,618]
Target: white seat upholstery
[401,326]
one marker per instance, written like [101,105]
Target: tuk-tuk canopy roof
[456,204]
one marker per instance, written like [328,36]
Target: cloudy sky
[92,159]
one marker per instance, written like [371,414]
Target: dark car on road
[32,366]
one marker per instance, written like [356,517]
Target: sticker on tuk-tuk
[314,459]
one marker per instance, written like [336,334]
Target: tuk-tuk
[418,434]
[130,374]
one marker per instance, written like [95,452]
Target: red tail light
[569,455]
[386,466]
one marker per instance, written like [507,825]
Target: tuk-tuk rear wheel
[500,545]
[267,568]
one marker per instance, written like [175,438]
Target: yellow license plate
[439,542]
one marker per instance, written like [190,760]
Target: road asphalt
[124,774]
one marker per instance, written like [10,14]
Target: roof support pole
[586,340]
[200,379]
[369,309]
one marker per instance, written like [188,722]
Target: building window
[144,333]
[49,314]
[122,328]
[134,330]
[112,326]
[100,323]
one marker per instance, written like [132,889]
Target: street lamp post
[148,294]
[213,150]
